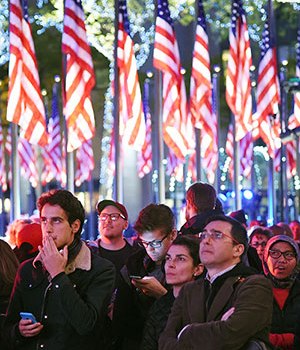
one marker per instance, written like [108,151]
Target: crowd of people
[216,283]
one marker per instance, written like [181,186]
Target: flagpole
[236,167]
[15,171]
[216,110]
[118,181]
[283,192]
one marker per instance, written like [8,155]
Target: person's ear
[75,226]
[238,250]
[125,226]
[173,234]
[198,270]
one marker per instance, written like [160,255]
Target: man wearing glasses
[112,221]
[143,278]
[228,308]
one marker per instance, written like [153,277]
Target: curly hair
[155,217]
[67,201]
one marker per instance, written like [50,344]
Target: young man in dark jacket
[228,308]
[65,287]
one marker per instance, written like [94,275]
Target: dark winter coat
[71,306]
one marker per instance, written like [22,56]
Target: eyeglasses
[257,244]
[276,254]
[113,216]
[153,244]
[215,236]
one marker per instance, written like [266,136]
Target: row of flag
[180,117]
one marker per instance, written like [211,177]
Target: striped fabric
[28,161]
[203,116]
[84,163]
[80,78]
[25,104]
[297,94]
[166,58]
[144,163]
[238,82]
[131,107]
[246,152]
[266,122]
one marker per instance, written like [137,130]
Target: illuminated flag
[84,163]
[145,155]
[166,58]
[25,104]
[54,161]
[3,180]
[28,161]
[266,123]
[238,81]
[291,156]
[131,107]
[246,152]
[297,94]
[79,79]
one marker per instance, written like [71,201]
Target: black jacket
[71,306]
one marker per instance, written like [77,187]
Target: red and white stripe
[145,155]
[238,81]
[84,163]
[3,179]
[25,104]
[131,107]
[28,161]
[80,78]
[166,58]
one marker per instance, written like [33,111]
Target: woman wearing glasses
[281,256]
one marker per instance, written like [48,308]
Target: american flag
[84,163]
[266,123]
[3,179]
[25,104]
[246,152]
[238,81]
[201,107]
[55,163]
[145,155]
[291,156]
[80,77]
[28,161]
[131,107]
[166,58]
[297,94]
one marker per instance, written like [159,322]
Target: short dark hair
[68,202]
[192,243]
[238,231]
[155,217]
[259,230]
[202,196]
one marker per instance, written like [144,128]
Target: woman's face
[179,266]
[281,267]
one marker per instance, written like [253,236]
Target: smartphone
[135,277]
[28,316]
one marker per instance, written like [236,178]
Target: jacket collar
[82,261]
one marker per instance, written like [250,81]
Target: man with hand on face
[228,308]
[65,287]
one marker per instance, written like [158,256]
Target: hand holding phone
[135,277]
[28,316]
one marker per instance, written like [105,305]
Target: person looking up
[221,311]
[182,265]
[295,227]
[258,238]
[65,287]
[281,257]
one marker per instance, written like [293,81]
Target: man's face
[111,229]
[220,253]
[54,222]
[295,227]
[259,242]
[157,243]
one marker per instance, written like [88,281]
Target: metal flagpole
[118,181]
[283,190]
[216,110]
[237,168]
[15,171]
